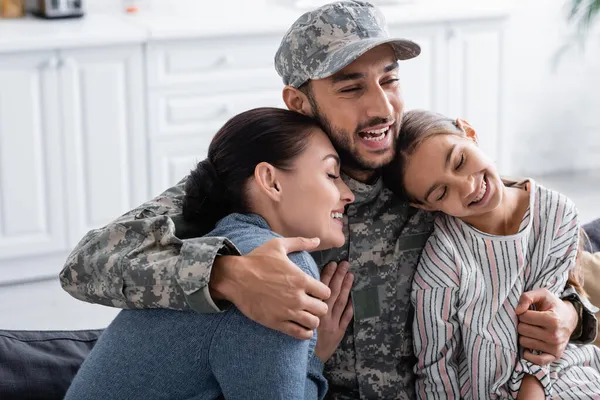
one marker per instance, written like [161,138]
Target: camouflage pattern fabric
[324,41]
[137,261]
[384,239]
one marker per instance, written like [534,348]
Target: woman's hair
[217,186]
[417,126]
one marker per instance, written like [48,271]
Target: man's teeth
[482,192]
[337,215]
[376,134]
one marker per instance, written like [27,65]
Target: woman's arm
[251,361]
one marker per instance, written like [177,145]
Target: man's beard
[351,158]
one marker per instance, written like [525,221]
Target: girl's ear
[467,129]
[267,181]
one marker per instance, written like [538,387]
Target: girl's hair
[576,274]
[217,186]
[417,126]
[420,125]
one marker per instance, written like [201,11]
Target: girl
[494,241]
[269,173]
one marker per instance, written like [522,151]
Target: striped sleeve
[563,232]
[436,329]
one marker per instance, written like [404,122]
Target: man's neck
[368,176]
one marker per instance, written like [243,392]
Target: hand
[270,289]
[333,326]
[531,389]
[548,328]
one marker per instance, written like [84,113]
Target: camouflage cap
[324,41]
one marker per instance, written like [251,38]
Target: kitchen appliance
[52,9]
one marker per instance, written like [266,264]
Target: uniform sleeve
[436,329]
[137,261]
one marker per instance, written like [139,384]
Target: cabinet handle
[223,60]
[52,63]
[450,34]
[66,62]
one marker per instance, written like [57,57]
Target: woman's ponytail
[206,200]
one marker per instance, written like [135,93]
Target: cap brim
[341,58]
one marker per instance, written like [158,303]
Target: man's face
[360,107]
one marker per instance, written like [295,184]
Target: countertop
[175,20]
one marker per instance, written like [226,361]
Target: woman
[269,173]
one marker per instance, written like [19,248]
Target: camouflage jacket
[137,261]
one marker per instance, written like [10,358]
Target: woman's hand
[332,326]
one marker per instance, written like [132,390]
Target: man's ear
[265,176]
[467,129]
[296,100]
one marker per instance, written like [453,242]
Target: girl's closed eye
[461,162]
[442,195]
[333,176]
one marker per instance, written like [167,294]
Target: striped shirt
[465,291]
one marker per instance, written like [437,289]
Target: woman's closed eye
[333,176]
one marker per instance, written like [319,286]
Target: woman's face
[450,173]
[313,194]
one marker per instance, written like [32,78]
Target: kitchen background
[101,113]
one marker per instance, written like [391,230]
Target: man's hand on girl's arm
[270,289]
[546,329]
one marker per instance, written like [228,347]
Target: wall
[551,122]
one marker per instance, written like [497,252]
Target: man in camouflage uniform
[149,258]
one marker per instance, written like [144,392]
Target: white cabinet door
[105,147]
[475,79]
[31,179]
[422,78]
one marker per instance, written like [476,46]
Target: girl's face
[313,194]
[449,173]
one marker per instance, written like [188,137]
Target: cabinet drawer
[194,113]
[216,65]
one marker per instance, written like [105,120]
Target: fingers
[295,330]
[541,297]
[535,344]
[317,289]
[543,319]
[327,272]
[347,316]
[532,331]
[342,299]
[336,282]
[316,307]
[539,359]
[306,320]
[291,245]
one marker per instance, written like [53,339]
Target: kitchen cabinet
[72,151]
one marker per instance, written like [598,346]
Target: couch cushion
[592,229]
[41,364]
